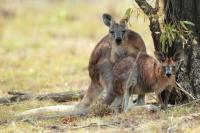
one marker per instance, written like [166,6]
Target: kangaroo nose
[168,71]
[168,75]
[118,40]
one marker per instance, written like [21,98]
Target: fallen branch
[189,103]
[184,91]
[93,125]
[57,97]
[57,128]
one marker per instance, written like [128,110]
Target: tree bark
[154,22]
[188,74]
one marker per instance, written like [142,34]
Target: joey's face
[169,64]
[169,67]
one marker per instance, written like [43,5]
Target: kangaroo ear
[159,56]
[178,55]
[107,19]
[124,20]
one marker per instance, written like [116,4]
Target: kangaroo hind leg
[91,95]
[105,69]
[129,85]
[117,103]
[141,98]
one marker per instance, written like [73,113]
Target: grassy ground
[45,46]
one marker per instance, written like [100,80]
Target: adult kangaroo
[118,43]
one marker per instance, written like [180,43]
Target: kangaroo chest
[118,52]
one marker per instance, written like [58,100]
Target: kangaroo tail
[82,108]
[52,112]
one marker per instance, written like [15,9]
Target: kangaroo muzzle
[118,40]
[168,71]
[118,37]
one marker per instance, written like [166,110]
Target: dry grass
[45,46]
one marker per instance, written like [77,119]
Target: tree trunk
[188,74]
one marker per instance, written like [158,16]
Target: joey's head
[117,31]
[169,63]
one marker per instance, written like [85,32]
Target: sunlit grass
[45,43]
[45,47]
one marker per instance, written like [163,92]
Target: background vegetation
[45,47]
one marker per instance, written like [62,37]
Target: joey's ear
[107,19]
[178,55]
[159,56]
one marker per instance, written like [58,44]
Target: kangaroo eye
[123,31]
[163,67]
[111,32]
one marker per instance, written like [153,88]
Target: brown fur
[101,62]
[103,51]
[148,75]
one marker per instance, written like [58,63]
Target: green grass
[45,47]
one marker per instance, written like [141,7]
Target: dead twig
[184,91]
[189,103]
[93,125]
